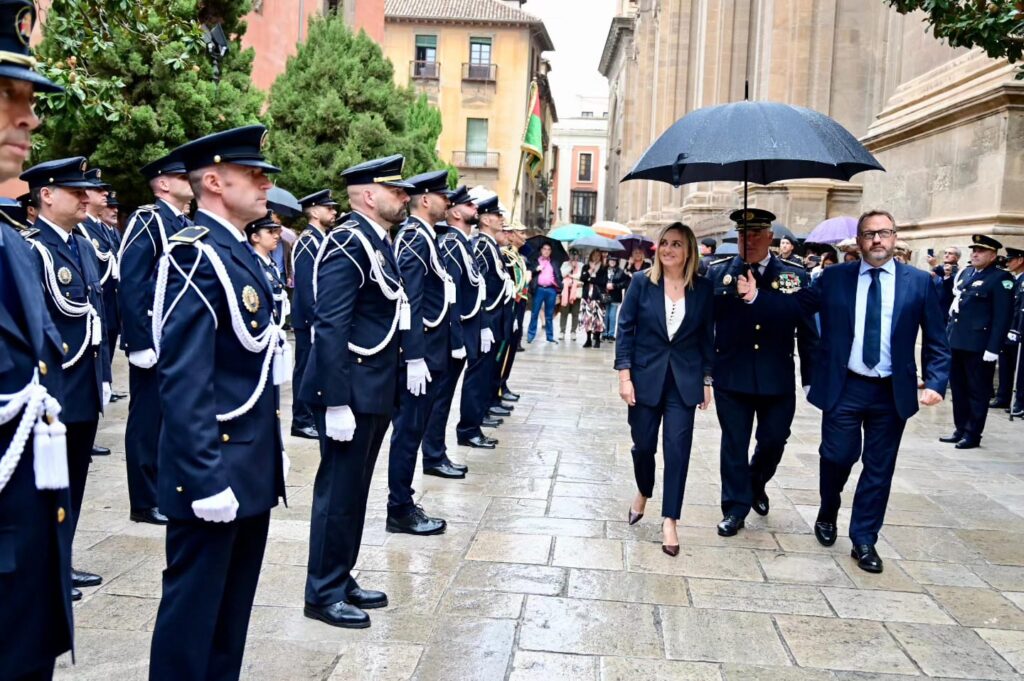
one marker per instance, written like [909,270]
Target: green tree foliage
[336,105]
[139,82]
[996,26]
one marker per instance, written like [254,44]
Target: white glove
[486,340]
[1012,336]
[417,375]
[989,356]
[340,423]
[106,394]
[459,353]
[220,508]
[144,359]
[807,390]
[515,325]
[286,463]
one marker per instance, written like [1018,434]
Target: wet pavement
[539,576]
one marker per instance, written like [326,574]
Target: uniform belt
[870,379]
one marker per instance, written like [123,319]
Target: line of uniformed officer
[1011,370]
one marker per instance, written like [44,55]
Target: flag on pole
[533,138]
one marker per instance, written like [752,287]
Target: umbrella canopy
[834,230]
[631,242]
[571,232]
[598,242]
[728,249]
[607,228]
[759,142]
[558,253]
[779,230]
[283,202]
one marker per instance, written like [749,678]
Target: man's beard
[394,217]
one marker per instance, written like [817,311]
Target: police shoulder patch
[190,235]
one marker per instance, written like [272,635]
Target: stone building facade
[948,125]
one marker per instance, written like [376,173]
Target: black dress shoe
[458,466]
[499,411]
[308,432]
[491,440]
[76,595]
[967,444]
[510,396]
[153,516]
[1017,413]
[998,404]
[445,471]
[520,348]
[100,451]
[117,397]
[80,579]
[510,407]
[730,525]
[868,559]
[951,439]
[825,532]
[340,614]
[478,442]
[760,504]
[367,599]
[491,422]
[417,522]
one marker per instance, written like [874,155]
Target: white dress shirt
[674,314]
[381,232]
[64,234]
[887,280]
[235,232]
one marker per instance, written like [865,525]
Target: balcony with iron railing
[480,73]
[485,160]
[424,70]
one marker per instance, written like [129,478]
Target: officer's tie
[873,321]
[73,245]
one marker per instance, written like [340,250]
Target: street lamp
[216,46]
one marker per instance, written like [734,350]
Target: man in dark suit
[222,464]
[754,368]
[979,320]
[352,382]
[71,278]
[865,377]
[321,210]
[1008,353]
[35,544]
[145,240]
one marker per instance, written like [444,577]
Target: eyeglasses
[880,233]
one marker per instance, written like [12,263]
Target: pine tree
[139,82]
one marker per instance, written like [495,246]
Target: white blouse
[674,314]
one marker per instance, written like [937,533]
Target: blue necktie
[873,321]
[73,245]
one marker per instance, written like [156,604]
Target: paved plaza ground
[540,578]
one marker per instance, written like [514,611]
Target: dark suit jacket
[428,338]
[644,347]
[457,251]
[303,255]
[916,307]
[491,265]
[986,309]
[204,371]
[35,525]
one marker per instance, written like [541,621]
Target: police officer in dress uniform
[35,544]
[15,214]
[222,462]
[1008,353]
[426,349]
[105,244]
[515,267]
[754,372]
[264,235]
[457,251]
[71,279]
[352,380]
[1015,256]
[145,240]
[978,322]
[510,325]
[321,211]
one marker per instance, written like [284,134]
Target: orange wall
[275,33]
[595,163]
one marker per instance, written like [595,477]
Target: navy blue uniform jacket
[303,255]
[416,249]
[644,347]
[986,309]
[457,252]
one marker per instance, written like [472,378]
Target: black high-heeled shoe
[669,549]
[634,517]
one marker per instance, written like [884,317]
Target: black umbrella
[759,142]
[779,230]
[558,253]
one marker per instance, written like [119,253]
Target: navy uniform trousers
[302,414]
[408,429]
[478,392]
[970,379]
[676,421]
[340,491]
[741,482]
[434,451]
[1007,372]
[863,422]
[142,436]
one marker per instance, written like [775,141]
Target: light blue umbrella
[598,242]
[571,232]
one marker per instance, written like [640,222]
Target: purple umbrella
[630,242]
[833,230]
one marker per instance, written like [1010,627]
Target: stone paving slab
[539,577]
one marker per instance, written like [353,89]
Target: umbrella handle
[677,169]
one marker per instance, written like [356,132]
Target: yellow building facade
[475,62]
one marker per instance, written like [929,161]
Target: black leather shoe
[1017,413]
[76,595]
[967,444]
[458,466]
[499,411]
[340,614]
[510,407]
[491,422]
[153,516]
[117,397]
[510,396]
[492,440]
[951,439]
[445,471]
[418,523]
[80,579]
[825,532]
[520,348]
[367,599]
[868,559]
[308,432]
[760,504]
[478,442]
[729,526]
[100,451]
[998,404]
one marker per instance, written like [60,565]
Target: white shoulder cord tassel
[39,412]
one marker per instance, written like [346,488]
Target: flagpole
[534,89]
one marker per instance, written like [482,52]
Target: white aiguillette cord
[39,416]
[69,308]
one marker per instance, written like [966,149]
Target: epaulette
[30,232]
[147,208]
[794,263]
[348,224]
[190,235]
[720,261]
